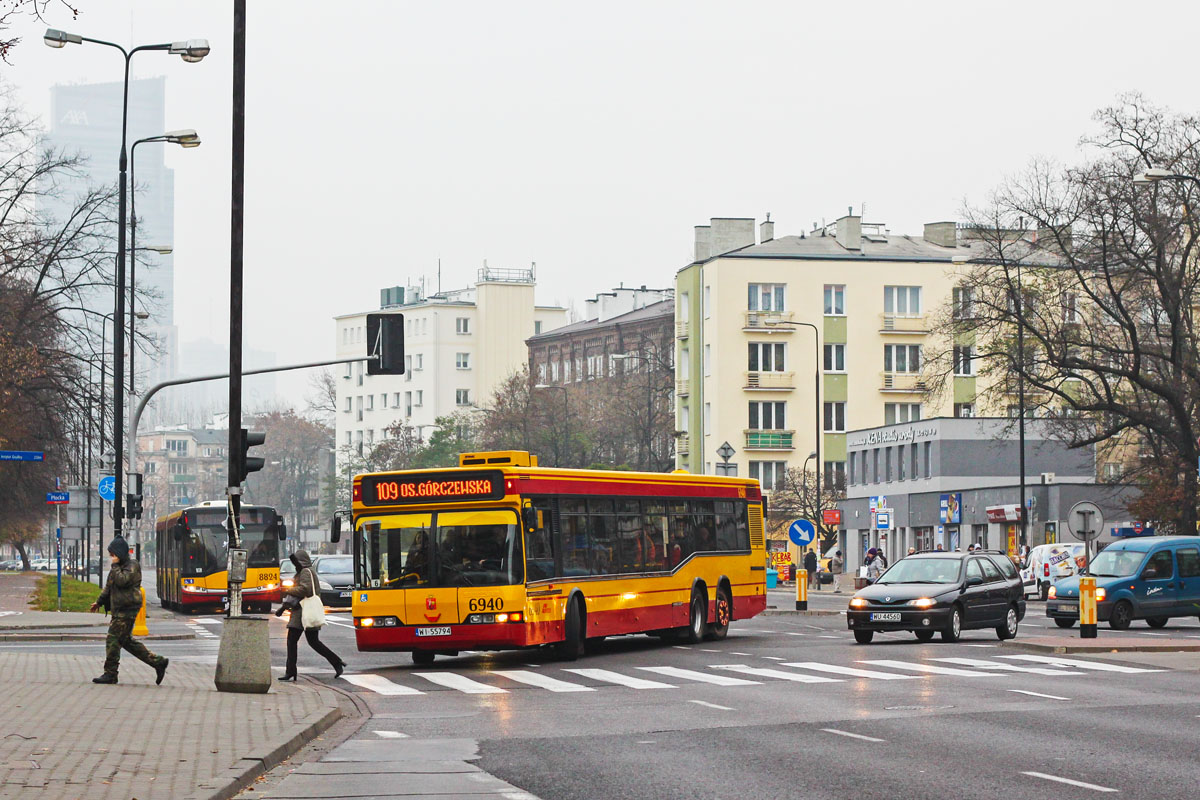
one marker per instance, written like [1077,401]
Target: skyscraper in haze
[86,119]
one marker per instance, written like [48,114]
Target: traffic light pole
[234,488]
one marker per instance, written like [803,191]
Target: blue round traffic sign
[107,488]
[802,532]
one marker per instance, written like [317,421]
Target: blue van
[1153,578]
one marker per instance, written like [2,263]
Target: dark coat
[810,561]
[122,593]
[303,585]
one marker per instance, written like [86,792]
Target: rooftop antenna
[768,216]
[439,274]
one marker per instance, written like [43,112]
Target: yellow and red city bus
[499,553]
[192,547]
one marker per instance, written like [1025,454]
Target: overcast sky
[384,135]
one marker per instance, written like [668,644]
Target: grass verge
[76,595]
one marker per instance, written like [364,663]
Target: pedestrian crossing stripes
[559,680]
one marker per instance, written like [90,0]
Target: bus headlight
[190,588]
[376,622]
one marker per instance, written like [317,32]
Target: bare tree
[1083,289]
[10,10]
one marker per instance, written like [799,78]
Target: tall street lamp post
[192,51]
[818,522]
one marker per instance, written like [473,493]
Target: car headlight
[923,602]
[325,585]
[1100,595]
[858,602]
[1052,593]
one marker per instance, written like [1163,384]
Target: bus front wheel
[571,647]
[697,618]
[422,657]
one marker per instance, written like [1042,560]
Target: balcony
[769,440]
[767,321]
[916,325]
[180,478]
[682,387]
[911,383]
[770,381]
[682,329]
[683,444]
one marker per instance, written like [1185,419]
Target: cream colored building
[746,378]
[458,346]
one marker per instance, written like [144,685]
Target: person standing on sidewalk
[122,597]
[836,565]
[810,566]
[304,586]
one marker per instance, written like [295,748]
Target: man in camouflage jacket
[122,596]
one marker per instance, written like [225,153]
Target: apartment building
[751,373]
[180,467]
[459,345]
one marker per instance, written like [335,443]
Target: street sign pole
[58,549]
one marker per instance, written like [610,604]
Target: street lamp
[187,138]
[817,410]
[192,50]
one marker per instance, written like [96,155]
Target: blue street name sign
[802,532]
[58,498]
[107,488]
[22,455]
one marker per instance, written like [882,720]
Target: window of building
[178,446]
[963,303]
[370,436]
[766,357]
[707,418]
[766,297]
[685,364]
[853,469]
[902,358]
[383,398]
[902,300]
[914,465]
[835,417]
[370,402]
[349,441]
[768,416]
[964,409]
[835,300]
[875,465]
[408,404]
[1112,471]
[537,327]
[901,462]
[419,398]
[770,474]
[1070,309]
[901,412]
[928,459]
[835,474]
[707,360]
[462,360]
[462,325]
[682,308]
[1014,411]
[349,403]
[707,302]
[462,397]
[964,358]
[887,464]
[835,358]
[578,369]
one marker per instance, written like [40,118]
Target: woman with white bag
[308,615]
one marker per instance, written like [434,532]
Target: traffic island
[1103,643]
[182,739]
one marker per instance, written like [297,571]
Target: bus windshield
[447,548]
[206,548]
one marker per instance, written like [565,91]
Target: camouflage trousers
[120,634]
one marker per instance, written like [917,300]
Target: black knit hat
[119,548]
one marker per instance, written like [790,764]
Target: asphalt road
[786,706]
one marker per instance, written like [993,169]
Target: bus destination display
[379,490]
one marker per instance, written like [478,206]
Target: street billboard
[950,509]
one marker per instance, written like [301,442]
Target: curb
[1067,649]
[47,626]
[232,781]
[87,637]
[783,612]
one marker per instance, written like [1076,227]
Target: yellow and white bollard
[802,589]
[139,624]
[1087,607]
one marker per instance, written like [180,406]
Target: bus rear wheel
[697,618]
[422,657]
[571,647]
[724,613]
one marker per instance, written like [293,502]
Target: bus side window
[743,525]
[539,558]
[576,546]
[681,534]
[727,533]
[701,512]
[602,532]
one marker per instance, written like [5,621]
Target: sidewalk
[65,737]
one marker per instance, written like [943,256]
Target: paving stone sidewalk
[63,737]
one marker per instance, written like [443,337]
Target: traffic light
[243,462]
[133,499]
[385,338]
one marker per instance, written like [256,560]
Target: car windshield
[915,569]
[449,548]
[1116,563]
[330,566]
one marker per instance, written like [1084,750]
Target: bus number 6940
[486,604]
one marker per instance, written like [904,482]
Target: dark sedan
[335,579]
[940,592]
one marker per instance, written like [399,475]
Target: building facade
[956,482]
[749,371]
[181,467]
[459,346]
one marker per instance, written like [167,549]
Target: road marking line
[391,735]
[853,735]
[739,654]
[1070,782]
[775,658]
[339,624]
[1074,662]
[707,650]
[542,681]
[703,677]
[852,671]
[461,683]
[619,679]
[979,645]
[759,672]
[790,633]
[207,621]
[965,673]
[1039,694]
[681,647]
[336,617]
[1147,633]
[981,662]
[710,705]
[379,684]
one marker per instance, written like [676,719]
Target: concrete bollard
[244,659]
[802,590]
